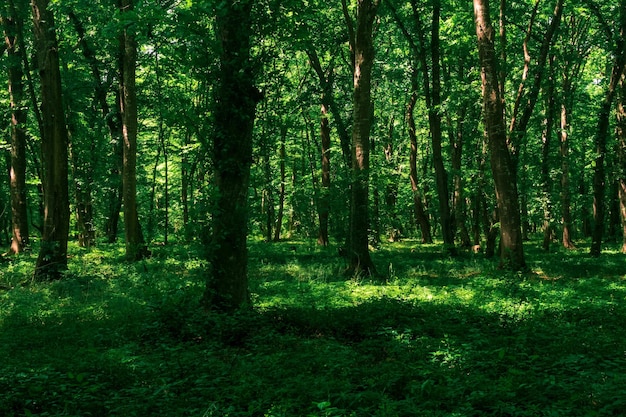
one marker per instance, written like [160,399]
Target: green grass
[436,337]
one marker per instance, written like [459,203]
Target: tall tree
[19,115]
[360,261]
[52,260]
[621,172]
[502,166]
[136,248]
[236,98]
[616,40]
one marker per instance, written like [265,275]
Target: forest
[303,208]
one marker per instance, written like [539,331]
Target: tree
[236,99]
[502,166]
[136,248]
[52,260]
[19,115]
[359,258]
[616,39]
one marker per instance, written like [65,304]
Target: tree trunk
[434,118]
[323,204]
[459,205]
[599,178]
[546,183]
[235,109]
[52,260]
[621,156]
[360,261]
[19,115]
[421,216]
[512,251]
[135,245]
[566,213]
[281,191]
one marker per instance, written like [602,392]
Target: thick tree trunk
[17,169]
[135,245]
[599,177]
[360,261]
[235,109]
[512,251]
[52,260]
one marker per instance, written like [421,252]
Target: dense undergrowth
[436,337]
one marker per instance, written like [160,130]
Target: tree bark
[421,217]
[323,204]
[136,248]
[282,188]
[52,260]
[512,251]
[235,110]
[546,182]
[621,155]
[434,118]
[599,176]
[19,115]
[360,261]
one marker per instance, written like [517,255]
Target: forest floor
[437,336]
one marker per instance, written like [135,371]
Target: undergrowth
[435,336]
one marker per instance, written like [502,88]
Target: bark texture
[136,248]
[359,258]
[17,168]
[502,166]
[52,260]
[236,100]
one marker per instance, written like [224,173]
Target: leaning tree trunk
[236,100]
[135,246]
[52,260]
[360,261]
[17,170]
[502,166]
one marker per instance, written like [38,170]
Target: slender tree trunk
[282,188]
[235,111]
[434,117]
[135,245]
[324,198]
[566,213]
[458,201]
[391,190]
[52,260]
[360,261]
[421,216]
[19,115]
[512,251]
[621,155]
[546,183]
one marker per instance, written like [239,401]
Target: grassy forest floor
[437,337]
